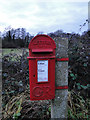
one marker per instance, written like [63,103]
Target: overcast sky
[47,16]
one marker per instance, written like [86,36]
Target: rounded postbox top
[42,42]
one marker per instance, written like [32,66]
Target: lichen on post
[59,104]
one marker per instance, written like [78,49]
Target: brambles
[16,84]
[79,64]
[15,74]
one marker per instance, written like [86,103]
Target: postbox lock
[33,75]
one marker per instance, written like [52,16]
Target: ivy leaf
[88,85]
[72,75]
[78,84]
[85,65]
[79,87]
[84,87]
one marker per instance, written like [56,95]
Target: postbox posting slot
[42,50]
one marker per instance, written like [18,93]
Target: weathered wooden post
[59,104]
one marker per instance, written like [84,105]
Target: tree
[58,33]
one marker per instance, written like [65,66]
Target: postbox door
[42,79]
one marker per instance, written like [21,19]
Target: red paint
[61,87]
[46,57]
[62,59]
[41,48]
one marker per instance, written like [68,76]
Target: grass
[76,110]
[14,54]
[12,51]
[78,107]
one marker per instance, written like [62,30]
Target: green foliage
[85,64]
[16,115]
[70,115]
[49,109]
[13,108]
[79,62]
[16,76]
[15,72]
[78,116]
[79,86]
[78,106]
[73,76]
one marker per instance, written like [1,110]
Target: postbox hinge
[61,87]
[62,59]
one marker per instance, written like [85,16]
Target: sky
[44,15]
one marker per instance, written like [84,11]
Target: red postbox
[42,68]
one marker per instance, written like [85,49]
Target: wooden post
[59,104]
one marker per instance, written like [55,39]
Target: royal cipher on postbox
[42,68]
